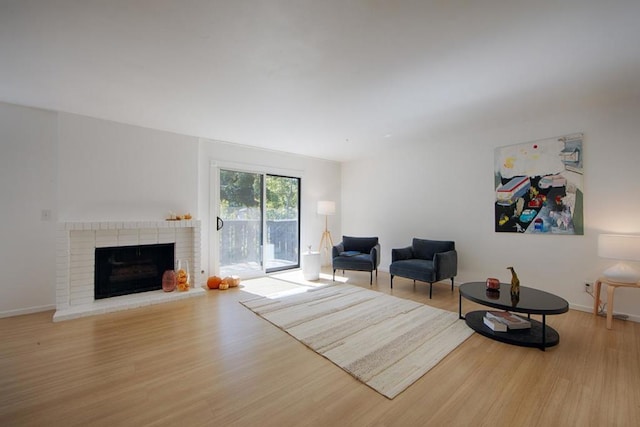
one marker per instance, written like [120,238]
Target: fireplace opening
[127,270]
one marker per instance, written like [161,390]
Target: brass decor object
[515,282]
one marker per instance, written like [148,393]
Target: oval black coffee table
[529,301]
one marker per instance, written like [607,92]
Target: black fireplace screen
[127,270]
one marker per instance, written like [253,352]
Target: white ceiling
[331,79]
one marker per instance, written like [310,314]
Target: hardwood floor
[210,361]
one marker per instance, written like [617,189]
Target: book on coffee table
[509,319]
[495,325]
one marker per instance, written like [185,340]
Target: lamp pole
[326,242]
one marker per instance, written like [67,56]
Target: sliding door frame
[214,205]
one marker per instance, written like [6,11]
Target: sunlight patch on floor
[288,283]
[297,277]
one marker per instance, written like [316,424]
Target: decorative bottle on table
[515,286]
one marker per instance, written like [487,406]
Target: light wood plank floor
[210,361]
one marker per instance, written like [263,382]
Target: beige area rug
[386,342]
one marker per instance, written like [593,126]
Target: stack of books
[501,321]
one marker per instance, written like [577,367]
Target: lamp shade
[616,246]
[620,247]
[326,207]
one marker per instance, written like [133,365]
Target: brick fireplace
[76,245]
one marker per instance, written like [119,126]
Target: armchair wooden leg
[452,284]
[430,289]
[334,274]
[371,278]
[392,281]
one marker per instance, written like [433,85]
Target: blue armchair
[425,260]
[357,253]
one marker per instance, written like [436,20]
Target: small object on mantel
[174,217]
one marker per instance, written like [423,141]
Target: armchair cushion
[360,262]
[426,249]
[416,269]
[402,253]
[350,253]
[359,244]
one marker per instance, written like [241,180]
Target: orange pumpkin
[213,282]
[182,279]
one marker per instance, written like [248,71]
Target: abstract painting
[539,186]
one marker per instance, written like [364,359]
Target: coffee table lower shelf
[522,337]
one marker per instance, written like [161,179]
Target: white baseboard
[589,309]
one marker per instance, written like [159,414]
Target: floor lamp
[326,208]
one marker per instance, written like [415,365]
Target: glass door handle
[219,224]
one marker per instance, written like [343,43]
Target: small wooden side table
[611,287]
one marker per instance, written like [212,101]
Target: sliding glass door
[283,222]
[258,223]
[240,214]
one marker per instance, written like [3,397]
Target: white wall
[86,169]
[443,189]
[27,186]
[117,172]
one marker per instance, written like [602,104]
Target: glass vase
[183,278]
[169,281]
